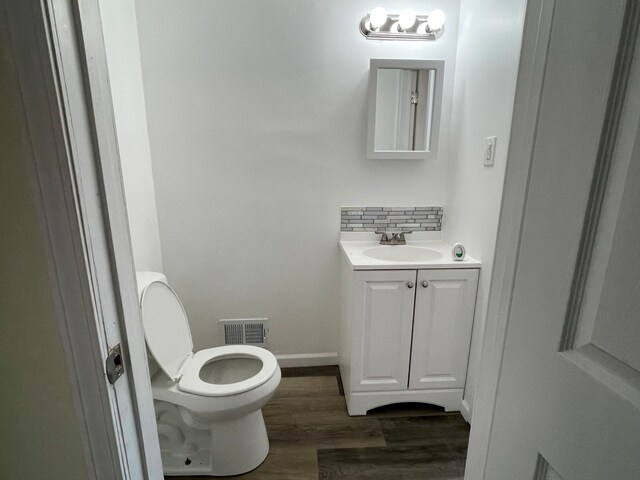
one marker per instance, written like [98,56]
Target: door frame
[54,47]
[531,74]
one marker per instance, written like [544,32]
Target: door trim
[94,63]
[37,39]
[531,75]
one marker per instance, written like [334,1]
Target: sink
[402,253]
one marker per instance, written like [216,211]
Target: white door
[63,95]
[384,312]
[568,397]
[445,302]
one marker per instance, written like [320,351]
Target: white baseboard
[307,359]
[464,411]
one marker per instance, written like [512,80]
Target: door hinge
[414,97]
[114,364]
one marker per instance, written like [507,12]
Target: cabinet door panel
[384,313]
[442,328]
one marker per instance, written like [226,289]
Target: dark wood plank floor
[312,437]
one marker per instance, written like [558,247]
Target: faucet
[392,238]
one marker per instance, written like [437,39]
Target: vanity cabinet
[405,336]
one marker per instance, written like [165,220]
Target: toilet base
[221,448]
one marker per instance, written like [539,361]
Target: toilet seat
[169,340]
[191,382]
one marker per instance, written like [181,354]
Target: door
[384,313]
[445,303]
[57,54]
[568,396]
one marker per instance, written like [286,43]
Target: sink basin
[402,253]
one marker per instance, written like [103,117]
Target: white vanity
[406,320]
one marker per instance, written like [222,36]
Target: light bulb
[378,17]
[407,19]
[436,20]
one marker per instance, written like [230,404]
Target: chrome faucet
[392,238]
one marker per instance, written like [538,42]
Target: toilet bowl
[207,404]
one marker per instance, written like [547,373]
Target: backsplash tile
[370,219]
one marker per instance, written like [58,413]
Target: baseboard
[307,359]
[465,412]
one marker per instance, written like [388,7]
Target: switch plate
[489,151]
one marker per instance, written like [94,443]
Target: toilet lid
[166,328]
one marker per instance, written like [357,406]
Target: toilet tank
[145,278]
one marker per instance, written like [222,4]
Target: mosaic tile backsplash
[370,219]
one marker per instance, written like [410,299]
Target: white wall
[487,65]
[257,124]
[123,60]
[39,435]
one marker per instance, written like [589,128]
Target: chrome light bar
[406,26]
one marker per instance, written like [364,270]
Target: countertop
[353,251]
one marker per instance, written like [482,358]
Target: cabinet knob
[425,284]
[409,284]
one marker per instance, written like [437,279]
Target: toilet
[207,404]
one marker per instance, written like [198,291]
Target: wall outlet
[489,151]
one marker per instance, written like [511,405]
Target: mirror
[405,99]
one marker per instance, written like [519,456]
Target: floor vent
[246,331]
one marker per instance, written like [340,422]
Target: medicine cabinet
[405,103]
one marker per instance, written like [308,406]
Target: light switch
[489,151]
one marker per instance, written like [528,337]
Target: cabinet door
[445,305]
[384,314]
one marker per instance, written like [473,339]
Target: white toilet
[208,404]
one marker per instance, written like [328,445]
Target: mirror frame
[374,65]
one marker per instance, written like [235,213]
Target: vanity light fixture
[378,25]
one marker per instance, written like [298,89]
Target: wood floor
[313,438]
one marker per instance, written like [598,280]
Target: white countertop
[353,250]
